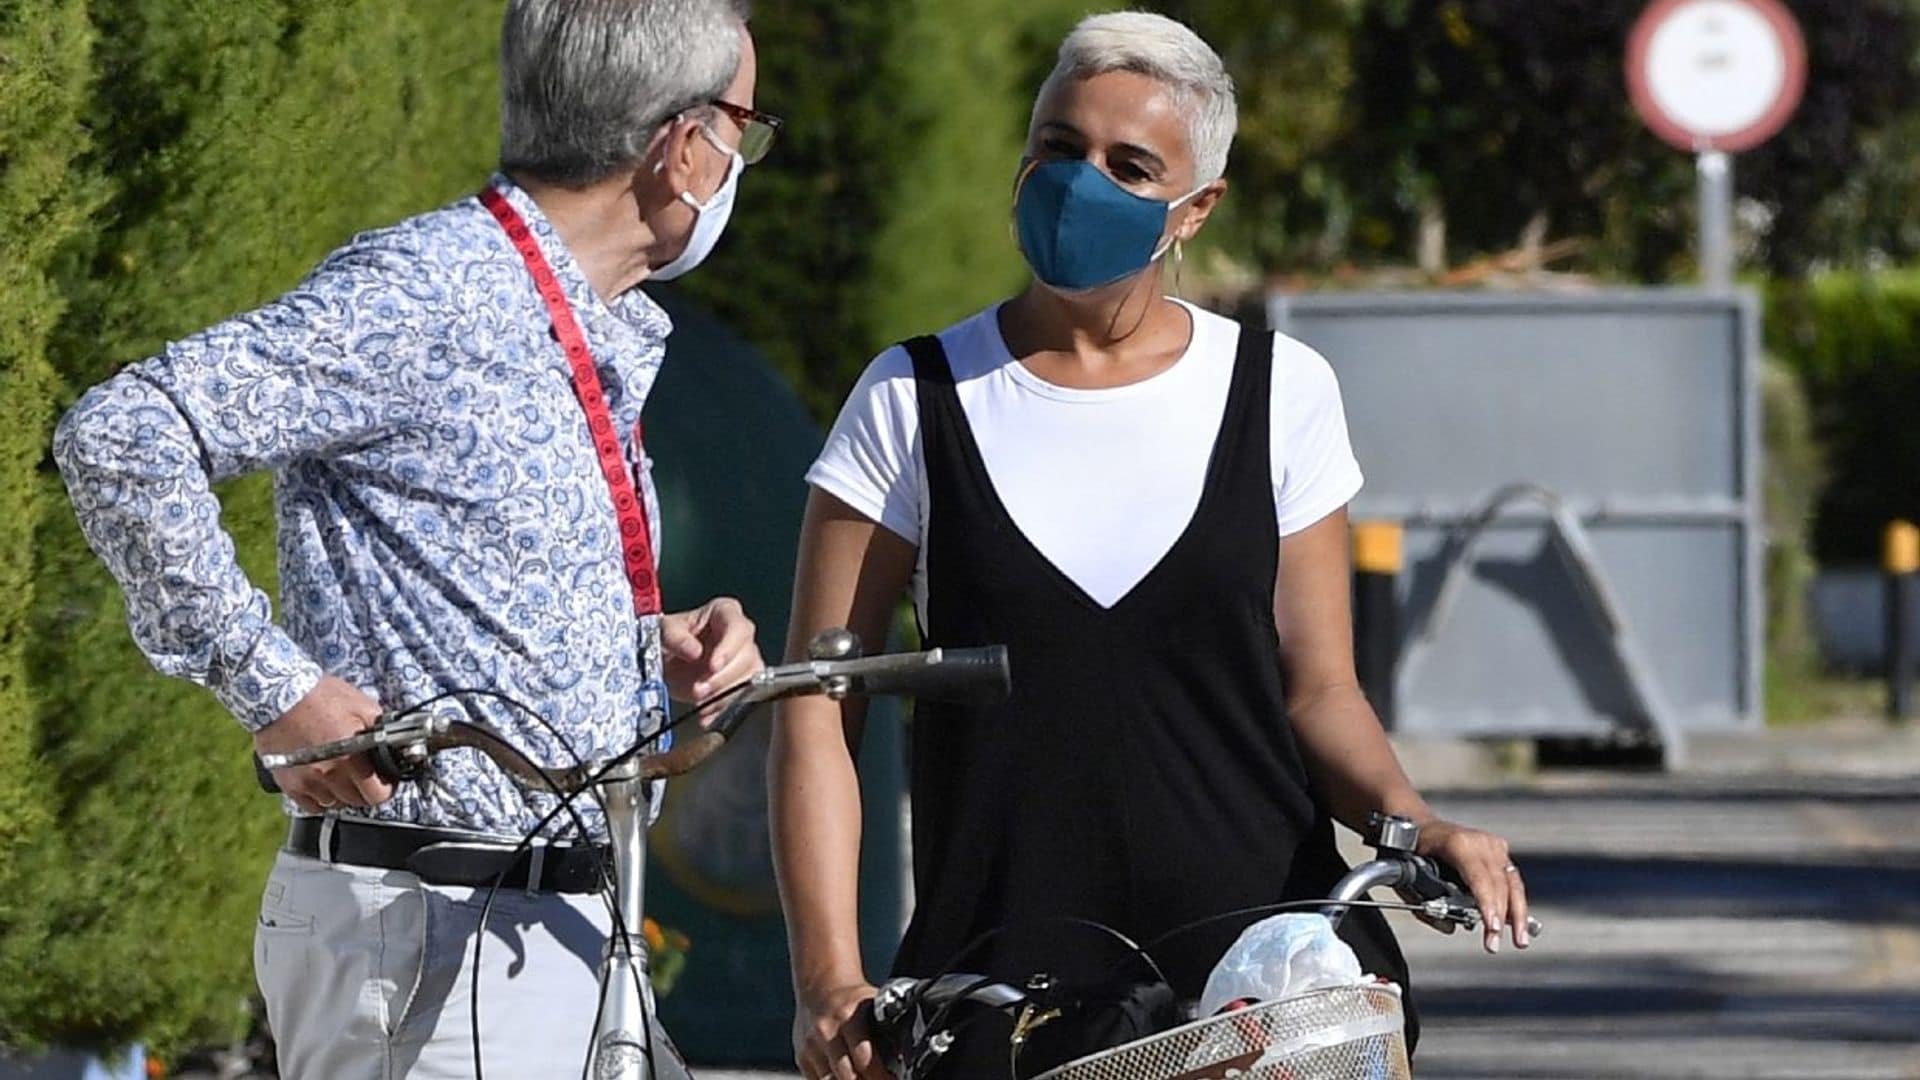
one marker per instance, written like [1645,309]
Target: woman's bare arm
[1346,750]
[851,573]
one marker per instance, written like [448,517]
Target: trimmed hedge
[1853,339]
[235,144]
[43,80]
[1793,474]
[946,247]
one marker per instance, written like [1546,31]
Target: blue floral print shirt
[443,523]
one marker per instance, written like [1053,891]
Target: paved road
[1732,927]
[1706,927]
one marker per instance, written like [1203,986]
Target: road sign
[1716,75]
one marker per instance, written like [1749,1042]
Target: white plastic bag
[1280,957]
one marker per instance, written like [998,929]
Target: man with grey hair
[451,409]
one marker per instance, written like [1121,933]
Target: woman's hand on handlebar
[1485,864]
[333,709]
[832,1034]
[708,649]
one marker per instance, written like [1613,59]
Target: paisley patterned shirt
[443,523]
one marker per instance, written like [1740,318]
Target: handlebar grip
[1436,880]
[971,676]
[386,766]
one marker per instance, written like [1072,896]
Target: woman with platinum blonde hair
[1146,503]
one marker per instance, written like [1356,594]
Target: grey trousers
[368,975]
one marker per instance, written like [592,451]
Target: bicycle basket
[1343,1033]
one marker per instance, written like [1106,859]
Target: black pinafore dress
[1143,773]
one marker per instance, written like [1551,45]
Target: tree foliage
[884,208]
[1853,338]
[1495,111]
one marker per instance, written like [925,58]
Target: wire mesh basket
[1343,1033]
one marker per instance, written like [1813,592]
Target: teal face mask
[1080,230]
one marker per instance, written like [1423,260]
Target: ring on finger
[1512,869]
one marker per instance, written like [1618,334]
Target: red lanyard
[636,538]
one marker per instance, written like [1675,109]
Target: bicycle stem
[626,1045]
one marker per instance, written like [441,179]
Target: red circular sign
[1716,74]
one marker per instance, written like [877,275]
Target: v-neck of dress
[1216,460]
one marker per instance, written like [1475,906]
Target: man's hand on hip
[333,709]
[708,649]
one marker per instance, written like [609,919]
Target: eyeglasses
[757,129]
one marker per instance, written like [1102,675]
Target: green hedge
[1854,341]
[43,78]
[234,144]
[1794,474]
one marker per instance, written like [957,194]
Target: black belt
[441,857]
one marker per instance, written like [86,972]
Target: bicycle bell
[1391,832]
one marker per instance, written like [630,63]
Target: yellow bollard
[1379,554]
[1378,547]
[1900,548]
[1900,558]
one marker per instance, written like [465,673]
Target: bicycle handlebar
[400,746]
[977,676]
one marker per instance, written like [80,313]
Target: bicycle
[1352,1032]
[628,1042]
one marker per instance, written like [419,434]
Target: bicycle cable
[565,805]
[1272,909]
[1278,908]
[493,890]
[940,1015]
[1126,942]
[580,827]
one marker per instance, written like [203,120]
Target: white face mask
[712,219]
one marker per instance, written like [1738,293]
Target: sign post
[1714,78]
[1716,219]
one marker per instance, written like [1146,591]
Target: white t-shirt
[1102,482]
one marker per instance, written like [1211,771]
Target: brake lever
[1447,901]
[1452,913]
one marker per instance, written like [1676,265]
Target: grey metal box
[1640,409]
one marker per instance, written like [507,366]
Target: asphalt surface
[1726,927]
[1723,923]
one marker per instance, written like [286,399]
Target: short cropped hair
[1166,50]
